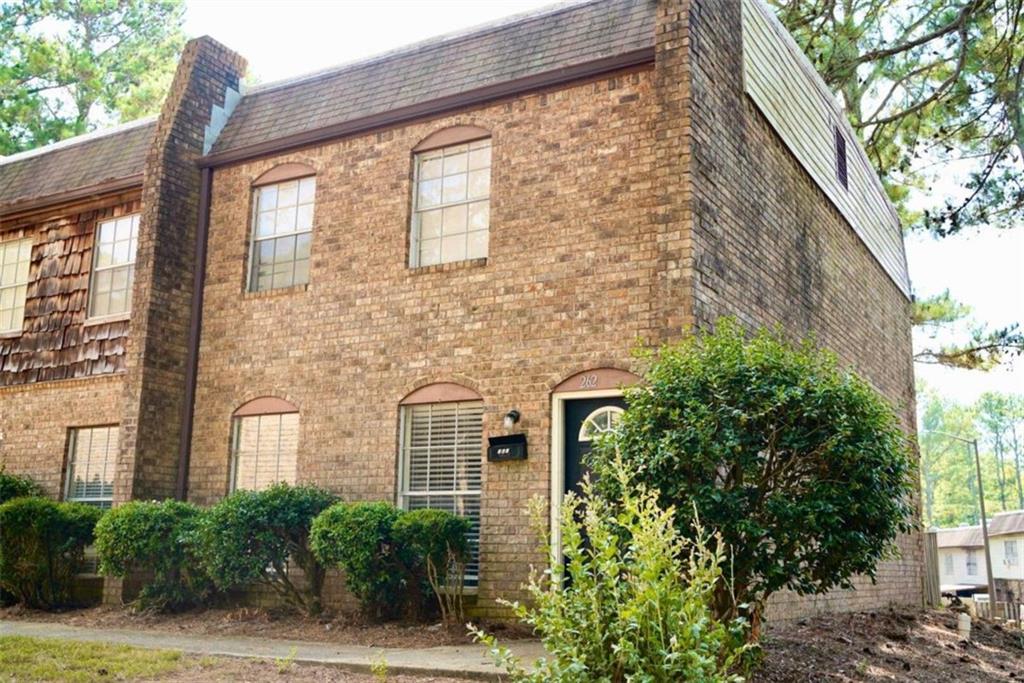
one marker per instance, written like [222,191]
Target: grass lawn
[44,659]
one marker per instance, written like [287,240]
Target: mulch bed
[891,646]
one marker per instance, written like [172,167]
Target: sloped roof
[962,537]
[1004,523]
[76,164]
[506,51]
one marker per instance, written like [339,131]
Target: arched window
[440,459]
[602,420]
[264,443]
[282,227]
[451,197]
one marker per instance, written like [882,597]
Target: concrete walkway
[457,661]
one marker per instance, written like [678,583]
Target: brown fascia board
[432,107]
[35,204]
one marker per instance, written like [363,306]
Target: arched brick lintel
[597,379]
[441,392]
[265,405]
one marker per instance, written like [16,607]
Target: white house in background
[962,557]
[1006,538]
[961,560]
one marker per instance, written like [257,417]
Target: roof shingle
[74,164]
[445,67]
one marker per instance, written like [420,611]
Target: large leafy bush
[17,486]
[256,536]
[357,537]
[152,539]
[633,600]
[41,548]
[435,547]
[799,464]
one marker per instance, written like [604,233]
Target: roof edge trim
[34,204]
[432,107]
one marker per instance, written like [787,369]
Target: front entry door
[584,419]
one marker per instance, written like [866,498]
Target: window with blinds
[441,464]
[92,457]
[264,450]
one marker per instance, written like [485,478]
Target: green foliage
[67,65]
[639,602]
[980,349]
[253,536]
[16,486]
[358,537]
[435,547]
[41,548]
[799,465]
[949,484]
[152,538]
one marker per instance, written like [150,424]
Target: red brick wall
[567,286]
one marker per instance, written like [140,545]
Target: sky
[286,39]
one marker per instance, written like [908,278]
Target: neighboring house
[962,557]
[962,560]
[353,278]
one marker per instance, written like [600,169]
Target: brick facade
[626,205]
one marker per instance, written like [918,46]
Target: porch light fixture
[511,417]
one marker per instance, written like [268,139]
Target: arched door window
[602,420]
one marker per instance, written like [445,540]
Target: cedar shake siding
[578,178]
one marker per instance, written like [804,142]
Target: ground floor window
[441,464]
[92,457]
[264,450]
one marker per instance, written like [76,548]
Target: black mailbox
[509,447]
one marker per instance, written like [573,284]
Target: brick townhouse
[361,277]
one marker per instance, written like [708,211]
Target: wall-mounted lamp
[511,417]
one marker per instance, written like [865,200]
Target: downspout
[195,327]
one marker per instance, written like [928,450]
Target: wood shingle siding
[55,343]
[804,113]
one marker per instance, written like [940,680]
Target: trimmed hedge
[17,486]
[254,536]
[153,538]
[41,548]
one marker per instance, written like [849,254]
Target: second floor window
[282,234]
[1010,552]
[949,565]
[972,563]
[113,266]
[15,256]
[451,204]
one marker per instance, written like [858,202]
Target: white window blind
[441,465]
[15,257]
[949,565]
[92,457]
[265,450]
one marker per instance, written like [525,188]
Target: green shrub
[152,538]
[800,465]
[357,537]
[17,486]
[435,548]
[41,547]
[634,600]
[253,536]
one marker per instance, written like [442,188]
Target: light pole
[981,503]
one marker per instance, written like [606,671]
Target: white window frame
[236,426]
[252,277]
[17,244]
[404,494]
[96,268]
[948,564]
[1012,558]
[104,502]
[417,211]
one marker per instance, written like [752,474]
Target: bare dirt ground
[263,623]
[890,646]
[211,670]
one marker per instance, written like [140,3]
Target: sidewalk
[458,661]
